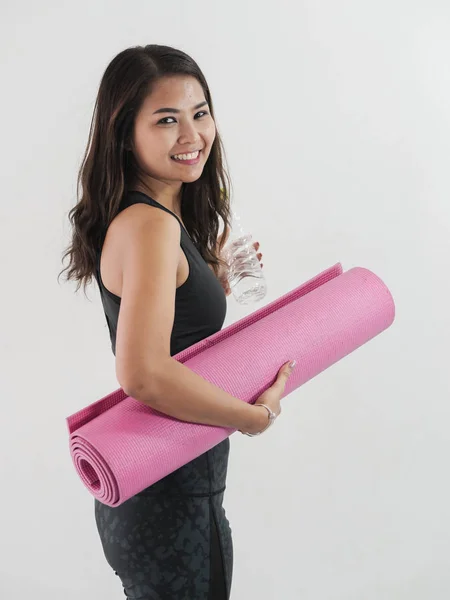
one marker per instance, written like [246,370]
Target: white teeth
[186,156]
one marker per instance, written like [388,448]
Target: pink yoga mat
[120,446]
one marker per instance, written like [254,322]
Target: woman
[146,226]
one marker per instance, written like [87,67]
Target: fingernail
[292,363]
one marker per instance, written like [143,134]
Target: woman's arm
[149,254]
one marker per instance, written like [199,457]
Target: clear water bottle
[245,276]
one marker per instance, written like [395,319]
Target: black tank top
[200,311]
[200,302]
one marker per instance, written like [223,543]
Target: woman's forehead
[180,92]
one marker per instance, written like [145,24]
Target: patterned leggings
[170,542]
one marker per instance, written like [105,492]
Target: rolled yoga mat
[120,446]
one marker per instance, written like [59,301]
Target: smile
[189,159]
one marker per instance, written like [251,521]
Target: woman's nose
[189,134]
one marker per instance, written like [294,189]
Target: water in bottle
[245,276]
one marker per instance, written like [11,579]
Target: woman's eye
[164,121]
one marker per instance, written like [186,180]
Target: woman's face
[160,133]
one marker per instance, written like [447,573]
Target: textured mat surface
[119,446]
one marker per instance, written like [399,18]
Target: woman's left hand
[222,276]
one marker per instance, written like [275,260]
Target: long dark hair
[108,169]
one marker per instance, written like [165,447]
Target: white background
[336,123]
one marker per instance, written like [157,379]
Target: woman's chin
[191,177]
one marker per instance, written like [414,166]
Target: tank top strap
[134,197]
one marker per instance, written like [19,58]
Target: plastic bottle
[245,276]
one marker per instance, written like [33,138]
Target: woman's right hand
[271,398]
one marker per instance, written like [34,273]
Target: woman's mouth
[187,159]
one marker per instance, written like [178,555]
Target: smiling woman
[185,138]
[146,227]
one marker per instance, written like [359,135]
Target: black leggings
[169,542]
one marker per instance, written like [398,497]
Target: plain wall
[336,123]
